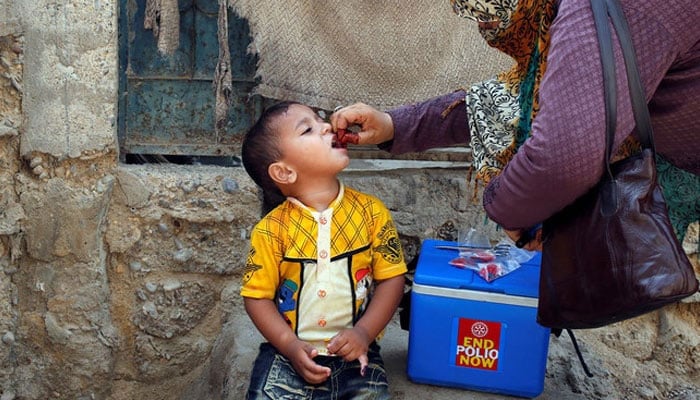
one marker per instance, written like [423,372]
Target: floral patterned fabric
[500,110]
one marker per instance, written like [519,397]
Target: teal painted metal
[167,102]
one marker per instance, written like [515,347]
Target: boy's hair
[261,148]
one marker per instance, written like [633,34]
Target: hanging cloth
[163,17]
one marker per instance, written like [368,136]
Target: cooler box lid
[433,269]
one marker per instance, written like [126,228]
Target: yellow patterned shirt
[318,267]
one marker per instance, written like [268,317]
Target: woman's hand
[376,126]
[535,240]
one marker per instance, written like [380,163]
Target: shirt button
[323,220]
[321,322]
[321,293]
[323,254]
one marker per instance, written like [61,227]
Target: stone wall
[11,212]
[121,281]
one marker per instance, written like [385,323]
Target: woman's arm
[438,122]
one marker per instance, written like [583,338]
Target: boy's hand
[301,355]
[351,344]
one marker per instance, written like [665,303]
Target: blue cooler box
[472,334]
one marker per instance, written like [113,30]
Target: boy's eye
[307,130]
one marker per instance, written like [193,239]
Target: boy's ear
[281,173]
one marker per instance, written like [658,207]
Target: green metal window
[166,103]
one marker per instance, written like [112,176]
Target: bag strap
[578,353]
[601,10]
[634,81]
[609,87]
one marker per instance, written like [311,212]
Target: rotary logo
[480,329]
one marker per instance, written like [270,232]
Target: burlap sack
[384,53]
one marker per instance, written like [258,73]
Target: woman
[537,131]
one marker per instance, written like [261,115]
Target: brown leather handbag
[613,254]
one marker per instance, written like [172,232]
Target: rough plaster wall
[9,18]
[177,237]
[70,93]
[11,63]
[58,146]
[426,202]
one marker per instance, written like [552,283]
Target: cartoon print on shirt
[285,298]
[390,247]
[363,277]
[250,266]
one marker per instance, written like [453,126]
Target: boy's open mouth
[343,137]
[337,144]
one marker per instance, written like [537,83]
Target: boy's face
[306,142]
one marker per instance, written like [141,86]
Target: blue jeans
[273,377]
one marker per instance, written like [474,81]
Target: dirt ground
[618,374]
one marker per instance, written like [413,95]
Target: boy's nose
[327,128]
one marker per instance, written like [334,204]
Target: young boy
[315,262]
